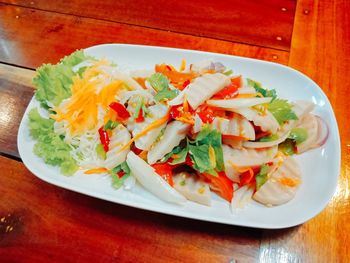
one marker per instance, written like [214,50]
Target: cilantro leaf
[265,92]
[166,94]
[200,157]
[166,157]
[216,143]
[298,135]
[281,110]
[181,156]
[161,84]
[158,81]
[205,139]
[204,133]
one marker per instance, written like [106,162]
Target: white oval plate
[320,167]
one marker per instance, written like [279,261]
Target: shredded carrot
[246,176]
[175,156]
[262,109]
[210,71]
[99,170]
[141,81]
[290,182]
[143,155]
[221,184]
[241,169]
[174,75]
[234,137]
[250,95]
[185,104]
[183,64]
[185,120]
[150,127]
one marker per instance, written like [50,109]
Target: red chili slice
[140,117]
[104,138]
[120,109]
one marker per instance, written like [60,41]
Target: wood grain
[321,49]
[266,23]
[15,95]
[41,222]
[32,37]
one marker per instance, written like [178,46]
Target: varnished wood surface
[266,23]
[32,37]
[40,222]
[321,49]
[15,94]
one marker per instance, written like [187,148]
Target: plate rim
[167,210]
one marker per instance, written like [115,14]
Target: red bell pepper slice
[121,111]
[165,171]
[248,177]
[206,113]
[220,184]
[175,111]
[230,90]
[185,84]
[237,81]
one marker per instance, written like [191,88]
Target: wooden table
[43,223]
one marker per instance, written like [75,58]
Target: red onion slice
[323,132]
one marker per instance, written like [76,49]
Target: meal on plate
[180,133]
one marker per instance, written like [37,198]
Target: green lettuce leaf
[166,157]
[50,146]
[281,110]
[53,82]
[181,156]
